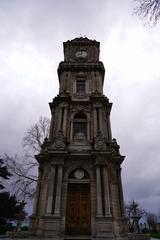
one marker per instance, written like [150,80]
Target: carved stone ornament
[45,145]
[59,143]
[79,174]
[79,137]
[100,144]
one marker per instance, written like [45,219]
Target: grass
[155,235]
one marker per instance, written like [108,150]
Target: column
[65,121]
[59,119]
[106,192]
[51,129]
[99,192]
[51,191]
[88,130]
[100,120]
[58,191]
[71,129]
[121,192]
[37,193]
[109,129]
[95,122]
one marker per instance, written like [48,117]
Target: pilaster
[65,121]
[37,194]
[99,192]
[58,191]
[51,190]
[106,192]
[95,122]
[121,192]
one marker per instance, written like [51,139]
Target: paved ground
[5,238]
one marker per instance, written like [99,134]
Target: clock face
[81,54]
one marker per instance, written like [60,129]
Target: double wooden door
[78,214]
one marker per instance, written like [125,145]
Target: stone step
[77,238]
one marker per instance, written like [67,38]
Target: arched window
[80,124]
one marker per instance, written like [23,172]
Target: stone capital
[57,161]
[100,161]
[63,104]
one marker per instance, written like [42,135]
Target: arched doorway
[78,212]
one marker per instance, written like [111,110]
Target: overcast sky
[31,37]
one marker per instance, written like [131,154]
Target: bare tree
[151,219]
[4,173]
[35,136]
[148,9]
[134,213]
[23,179]
[24,168]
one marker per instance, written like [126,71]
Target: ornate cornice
[97,98]
[77,67]
[81,41]
[62,97]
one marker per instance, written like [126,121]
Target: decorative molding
[100,161]
[100,144]
[57,161]
[63,104]
[59,142]
[44,146]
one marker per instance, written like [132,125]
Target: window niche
[80,87]
[80,126]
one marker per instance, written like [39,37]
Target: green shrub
[3,229]
[24,228]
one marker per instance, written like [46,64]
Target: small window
[80,87]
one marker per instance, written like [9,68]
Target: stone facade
[79,190]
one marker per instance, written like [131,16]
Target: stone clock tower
[79,190]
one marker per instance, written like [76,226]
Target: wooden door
[78,214]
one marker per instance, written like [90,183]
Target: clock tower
[79,191]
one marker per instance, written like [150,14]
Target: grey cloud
[35,31]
